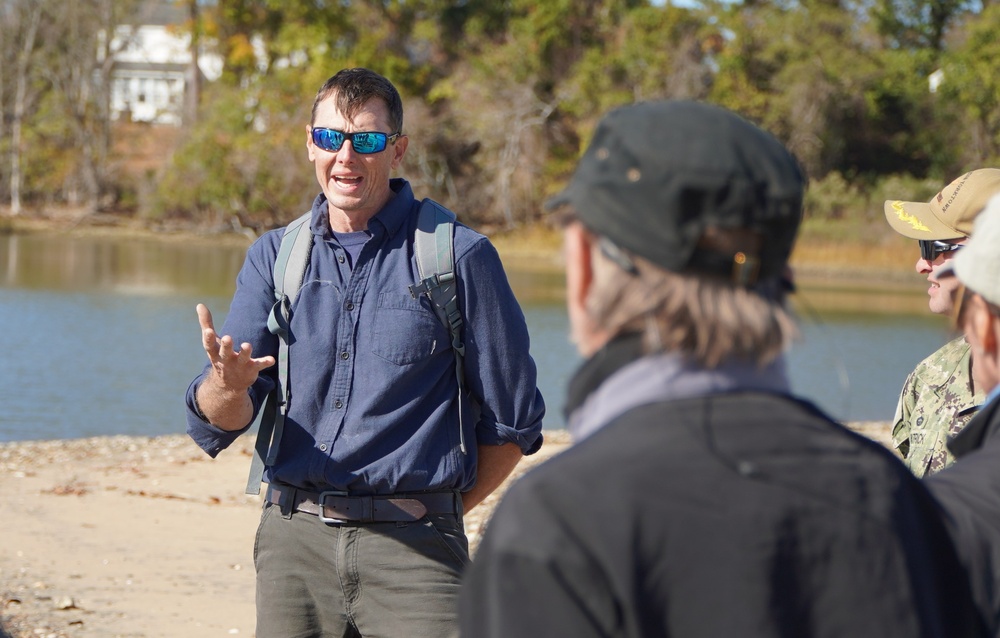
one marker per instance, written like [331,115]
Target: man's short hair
[356,87]
[707,318]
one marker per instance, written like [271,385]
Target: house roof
[161,67]
[160,12]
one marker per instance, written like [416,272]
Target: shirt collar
[390,218]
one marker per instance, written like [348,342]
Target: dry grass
[818,252]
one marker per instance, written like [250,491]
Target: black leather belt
[338,507]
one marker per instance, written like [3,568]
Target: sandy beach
[138,536]
[144,536]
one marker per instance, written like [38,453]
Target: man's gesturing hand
[222,396]
[235,370]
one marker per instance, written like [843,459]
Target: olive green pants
[376,580]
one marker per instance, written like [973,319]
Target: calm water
[99,336]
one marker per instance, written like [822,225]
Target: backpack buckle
[425,287]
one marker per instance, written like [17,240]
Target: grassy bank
[841,248]
[848,267]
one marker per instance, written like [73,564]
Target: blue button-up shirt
[373,406]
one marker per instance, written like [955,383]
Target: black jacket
[969,492]
[743,514]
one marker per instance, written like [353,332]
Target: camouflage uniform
[936,402]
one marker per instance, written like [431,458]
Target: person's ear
[990,331]
[310,149]
[579,264]
[978,323]
[580,248]
[398,150]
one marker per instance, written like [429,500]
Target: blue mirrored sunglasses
[930,249]
[364,142]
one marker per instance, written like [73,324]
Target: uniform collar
[982,427]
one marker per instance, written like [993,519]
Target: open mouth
[347,181]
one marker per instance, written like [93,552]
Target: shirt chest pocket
[406,329]
[928,442]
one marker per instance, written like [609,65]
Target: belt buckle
[322,507]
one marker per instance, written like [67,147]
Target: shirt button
[345,355]
[349,305]
[338,404]
[341,258]
[322,446]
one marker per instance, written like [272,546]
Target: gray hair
[705,317]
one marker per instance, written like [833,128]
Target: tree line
[877,98]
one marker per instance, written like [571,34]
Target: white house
[152,65]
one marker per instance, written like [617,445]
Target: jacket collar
[620,377]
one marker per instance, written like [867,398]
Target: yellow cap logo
[915,223]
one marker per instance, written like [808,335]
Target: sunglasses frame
[382,140]
[931,249]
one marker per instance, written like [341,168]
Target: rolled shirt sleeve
[498,366]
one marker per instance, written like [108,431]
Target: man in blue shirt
[361,532]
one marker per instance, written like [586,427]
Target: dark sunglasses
[931,249]
[365,142]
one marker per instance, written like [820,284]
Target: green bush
[837,209]
[833,197]
[906,188]
[250,163]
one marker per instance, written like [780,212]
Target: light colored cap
[950,213]
[977,265]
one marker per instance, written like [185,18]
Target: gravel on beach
[147,536]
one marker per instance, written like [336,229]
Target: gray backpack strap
[435,253]
[289,268]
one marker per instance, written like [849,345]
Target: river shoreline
[873,259]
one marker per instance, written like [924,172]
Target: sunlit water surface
[99,336]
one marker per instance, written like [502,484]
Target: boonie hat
[950,213]
[977,265]
[661,179]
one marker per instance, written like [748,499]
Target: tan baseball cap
[977,265]
[950,213]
